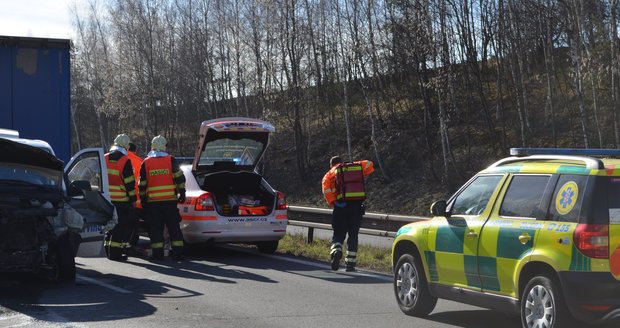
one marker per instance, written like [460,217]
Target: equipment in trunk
[238,193]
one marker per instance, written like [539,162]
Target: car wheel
[65,259]
[267,247]
[411,287]
[51,272]
[543,305]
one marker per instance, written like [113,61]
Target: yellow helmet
[159,143]
[122,140]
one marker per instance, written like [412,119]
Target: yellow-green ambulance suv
[536,234]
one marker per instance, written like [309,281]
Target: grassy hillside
[410,188]
[408,140]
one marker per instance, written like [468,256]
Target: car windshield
[231,152]
[15,174]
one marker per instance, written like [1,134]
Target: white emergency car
[228,201]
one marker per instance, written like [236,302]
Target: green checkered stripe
[494,263]
[579,262]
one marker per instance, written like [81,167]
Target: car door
[86,182]
[507,238]
[454,239]
[614,226]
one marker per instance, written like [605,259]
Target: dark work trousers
[122,231]
[347,220]
[160,214]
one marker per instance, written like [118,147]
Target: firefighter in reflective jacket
[344,191]
[162,185]
[122,190]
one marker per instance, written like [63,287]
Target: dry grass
[368,257]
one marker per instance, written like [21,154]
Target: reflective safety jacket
[121,181]
[160,180]
[136,162]
[329,180]
[350,184]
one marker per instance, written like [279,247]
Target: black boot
[158,254]
[116,254]
[336,256]
[177,254]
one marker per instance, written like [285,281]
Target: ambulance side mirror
[438,208]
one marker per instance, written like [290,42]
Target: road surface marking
[102,284]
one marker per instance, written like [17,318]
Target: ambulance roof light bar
[564,151]
[553,154]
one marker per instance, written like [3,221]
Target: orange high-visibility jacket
[329,180]
[136,162]
[160,180]
[121,181]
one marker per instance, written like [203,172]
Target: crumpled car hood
[30,198]
[15,152]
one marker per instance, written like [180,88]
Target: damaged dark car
[39,230]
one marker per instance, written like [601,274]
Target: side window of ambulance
[475,197]
[524,196]
[613,199]
[567,198]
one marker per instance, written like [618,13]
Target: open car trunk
[239,193]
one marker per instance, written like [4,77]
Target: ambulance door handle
[524,238]
[471,233]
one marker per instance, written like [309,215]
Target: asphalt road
[221,287]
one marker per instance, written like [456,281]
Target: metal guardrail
[374,224]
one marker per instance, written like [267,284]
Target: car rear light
[592,240]
[204,202]
[281,202]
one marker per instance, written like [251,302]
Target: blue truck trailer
[35,90]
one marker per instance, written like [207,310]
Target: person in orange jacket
[138,212]
[347,200]
[121,185]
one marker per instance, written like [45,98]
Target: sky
[37,18]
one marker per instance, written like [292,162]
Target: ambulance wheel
[411,287]
[543,305]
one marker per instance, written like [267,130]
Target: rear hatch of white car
[224,165]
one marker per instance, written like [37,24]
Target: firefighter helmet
[122,140]
[159,143]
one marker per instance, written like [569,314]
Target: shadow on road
[250,258]
[230,263]
[197,270]
[483,318]
[476,319]
[81,301]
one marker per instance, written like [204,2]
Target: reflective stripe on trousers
[336,247]
[351,258]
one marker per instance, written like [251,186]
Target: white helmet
[159,143]
[122,140]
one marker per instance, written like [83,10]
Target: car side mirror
[438,208]
[76,188]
